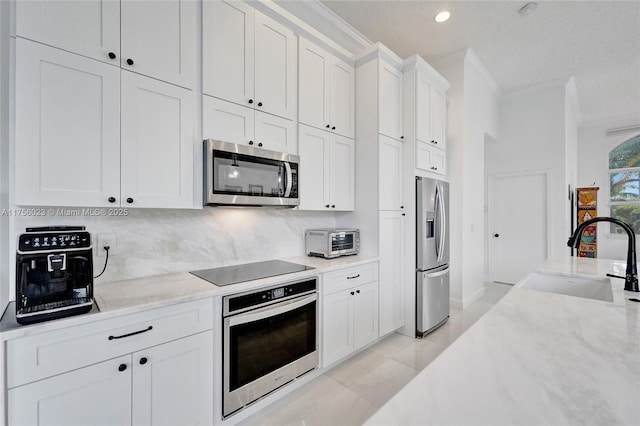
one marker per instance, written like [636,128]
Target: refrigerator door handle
[443,224]
[438,273]
[438,230]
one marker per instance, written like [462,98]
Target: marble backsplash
[158,241]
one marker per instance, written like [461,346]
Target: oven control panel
[256,298]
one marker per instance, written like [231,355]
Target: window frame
[610,173]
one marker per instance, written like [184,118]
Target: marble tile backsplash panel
[158,241]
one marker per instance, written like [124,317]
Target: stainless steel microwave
[240,175]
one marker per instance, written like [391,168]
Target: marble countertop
[535,358]
[129,296]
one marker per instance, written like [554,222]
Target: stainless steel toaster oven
[330,243]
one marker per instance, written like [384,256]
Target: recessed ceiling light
[528,8]
[442,16]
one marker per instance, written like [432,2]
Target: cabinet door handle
[129,61]
[112,199]
[353,277]
[434,168]
[250,101]
[358,291]
[401,137]
[122,367]
[327,206]
[122,336]
[328,126]
[333,206]
[130,200]
[434,142]
[259,104]
[260,144]
[352,293]
[402,207]
[143,360]
[250,142]
[333,128]
[112,55]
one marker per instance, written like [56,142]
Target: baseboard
[473,298]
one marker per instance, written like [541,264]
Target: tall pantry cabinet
[380,206]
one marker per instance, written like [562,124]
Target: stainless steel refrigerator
[432,254]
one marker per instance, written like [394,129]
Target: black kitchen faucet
[631,278]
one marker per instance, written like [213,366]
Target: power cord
[106,248]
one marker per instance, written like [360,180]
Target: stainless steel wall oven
[269,338]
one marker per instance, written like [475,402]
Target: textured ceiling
[597,42]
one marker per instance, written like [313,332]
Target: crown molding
[416,62]
[378,51]
[473,59]
[328,27]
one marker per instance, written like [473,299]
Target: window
[624,179]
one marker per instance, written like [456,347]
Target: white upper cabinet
[89,28]
[156,38]
[326,170]
[390,101]
[227,50]
[326,90]
[249,59]
[438,118]
[67,128]
[157,143]
[234,123]
[159,39]
[423,110]
[391,194]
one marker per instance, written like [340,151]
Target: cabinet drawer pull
[129,61]
[112,55]
[132,334]
[353,277]
[122,367]
[143,360]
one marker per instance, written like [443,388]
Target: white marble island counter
[536,358]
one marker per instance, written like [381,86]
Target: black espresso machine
[54,273]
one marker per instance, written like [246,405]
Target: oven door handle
[271,310]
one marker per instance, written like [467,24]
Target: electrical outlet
[106,240]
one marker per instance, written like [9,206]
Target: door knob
[496,235]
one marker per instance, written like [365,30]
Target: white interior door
[517,231]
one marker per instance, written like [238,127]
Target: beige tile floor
[351,392]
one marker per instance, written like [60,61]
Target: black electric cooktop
[227,275]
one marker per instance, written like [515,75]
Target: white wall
[533,134]
[472,115]
[593,164]
[4,152]
[157,241]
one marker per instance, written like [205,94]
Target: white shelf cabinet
[391,278]
[326,170]
[350,311]
[158,37]
[248,58]
[390,187]
[235,123]
[326,96]
[78,376]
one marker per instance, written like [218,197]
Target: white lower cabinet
[350,311]
[154,379]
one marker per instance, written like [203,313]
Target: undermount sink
[571,285]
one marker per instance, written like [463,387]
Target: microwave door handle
[271,310]
[287,191]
